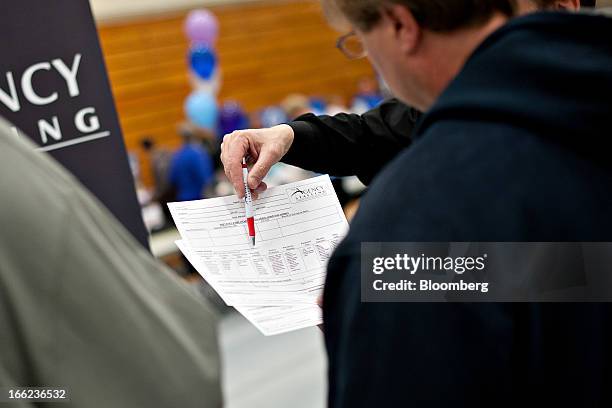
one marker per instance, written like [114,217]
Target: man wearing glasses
[513,148]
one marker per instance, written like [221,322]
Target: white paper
[270,320]
[297,227]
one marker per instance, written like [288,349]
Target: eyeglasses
[351,46]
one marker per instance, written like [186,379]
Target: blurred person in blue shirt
[191,169]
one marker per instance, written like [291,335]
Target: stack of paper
[275,284]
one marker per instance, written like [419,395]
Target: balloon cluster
[202,29]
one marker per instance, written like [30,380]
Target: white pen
[248,202]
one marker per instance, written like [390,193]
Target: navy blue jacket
[517,148]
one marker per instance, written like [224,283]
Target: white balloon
[212,85]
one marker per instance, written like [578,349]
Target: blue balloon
[201,109]
[203,61]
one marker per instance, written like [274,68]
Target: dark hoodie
[515,149]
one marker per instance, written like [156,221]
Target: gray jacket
[83,306]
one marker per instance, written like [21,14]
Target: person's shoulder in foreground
[84,306]
[515,149]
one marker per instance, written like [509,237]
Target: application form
[297,227]
[270,320]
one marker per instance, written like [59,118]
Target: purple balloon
[202,27]
[231,117]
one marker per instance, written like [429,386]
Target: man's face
[382,56]
[388,55]
[381,52]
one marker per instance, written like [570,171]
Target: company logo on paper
[304,193]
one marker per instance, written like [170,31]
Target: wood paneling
[266,51]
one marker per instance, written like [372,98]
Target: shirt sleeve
[350,144]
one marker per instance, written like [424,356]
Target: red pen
[248,203]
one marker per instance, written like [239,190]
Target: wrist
[287,136]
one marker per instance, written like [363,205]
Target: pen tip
[253,241]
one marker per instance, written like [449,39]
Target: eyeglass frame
[340,45]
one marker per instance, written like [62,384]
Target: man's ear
[568,5]
[406,29]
